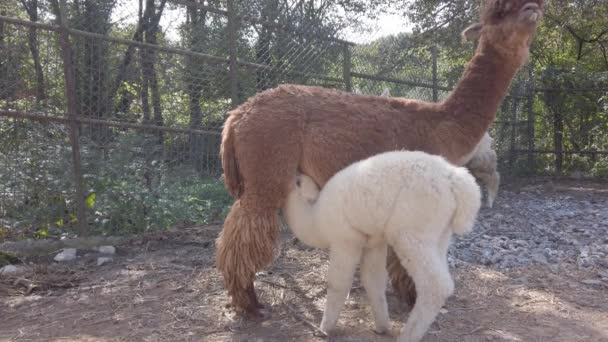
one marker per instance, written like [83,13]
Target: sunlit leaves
[90,200]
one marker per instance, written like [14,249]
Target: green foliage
[7,259]
[34,159]
[128,206]
[90,201]
[130,186]
[600,169]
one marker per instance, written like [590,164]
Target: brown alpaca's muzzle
[530,13]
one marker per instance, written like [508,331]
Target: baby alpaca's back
[401,190]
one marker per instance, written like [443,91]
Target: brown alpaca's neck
[473,104]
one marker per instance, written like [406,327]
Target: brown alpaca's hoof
[405,289]
[253,299]
[254,312]
[408,296]
[403,284]
[257,314]
[249,307]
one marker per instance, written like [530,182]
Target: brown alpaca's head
[508,25]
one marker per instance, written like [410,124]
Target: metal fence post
[232,43]
[531,118]
[346,67]
[70,92]
[435,85]
[515,93]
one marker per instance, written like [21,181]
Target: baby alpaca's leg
[374,278]
[430,273]
[343,260]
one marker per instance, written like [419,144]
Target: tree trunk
[149,78]
[4,59]
[263,52]
[558,137]
[143,89]
[150,84]
[196,116]
[263,57]
[32,40]
[193,76]
[154,87]
[124,102]
[91,63]
[31,7]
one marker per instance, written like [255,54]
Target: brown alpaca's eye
[298,183]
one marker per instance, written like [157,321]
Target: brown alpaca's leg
[267,151]
[401,280]
[245,246]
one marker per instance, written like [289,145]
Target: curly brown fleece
[319,131]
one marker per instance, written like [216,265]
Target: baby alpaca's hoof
[326,328]
[320,333]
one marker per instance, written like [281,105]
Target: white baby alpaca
[411,200]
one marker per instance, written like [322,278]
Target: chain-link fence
[110,111]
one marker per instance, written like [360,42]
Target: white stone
[67,254]
[9,269]
[103,260]
[106,249]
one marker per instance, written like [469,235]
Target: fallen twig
[273,283]
[297,316]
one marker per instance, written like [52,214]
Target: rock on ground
[106,249]
[67,254]
[9,269]
[103,260]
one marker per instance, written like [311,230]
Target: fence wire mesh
[111,111]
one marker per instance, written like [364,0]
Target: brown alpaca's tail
[232,177]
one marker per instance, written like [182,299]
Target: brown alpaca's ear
[472,32]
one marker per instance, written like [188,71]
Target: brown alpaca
[319,131]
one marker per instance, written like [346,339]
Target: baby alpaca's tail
[468,201]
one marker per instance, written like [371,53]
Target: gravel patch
[532,225]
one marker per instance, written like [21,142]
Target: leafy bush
[132,184]
[600,169]
[120,206]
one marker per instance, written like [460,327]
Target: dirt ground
[164,287]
